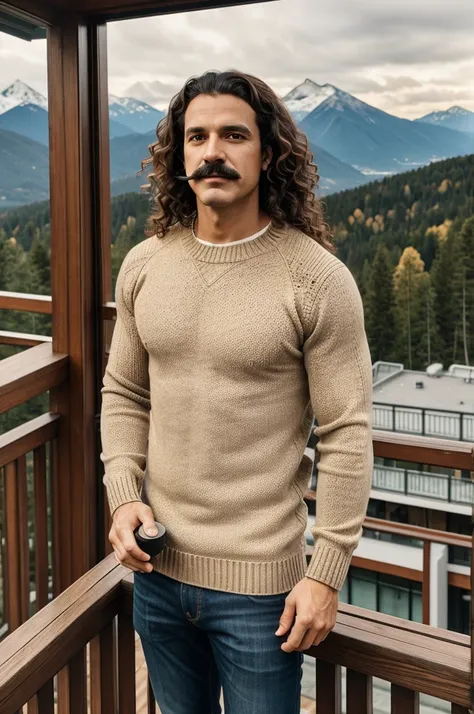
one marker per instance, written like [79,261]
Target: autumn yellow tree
[417,336]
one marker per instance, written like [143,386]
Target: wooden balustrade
[92,621]
[36,438]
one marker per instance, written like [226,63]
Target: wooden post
[76,312]
[426,581]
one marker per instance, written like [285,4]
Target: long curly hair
[286,189]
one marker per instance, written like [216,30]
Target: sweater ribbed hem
[329,565]
[235,576]
[121,491]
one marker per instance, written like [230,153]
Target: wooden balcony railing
[92,621]
[30,373]
[26,302]
[30,484]
[20,549]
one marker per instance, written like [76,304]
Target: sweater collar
[232,253]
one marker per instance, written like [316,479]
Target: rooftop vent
[434,370]
[420,385]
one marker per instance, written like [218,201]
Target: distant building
[433,403]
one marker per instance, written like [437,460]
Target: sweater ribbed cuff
[329,565]
[120,491]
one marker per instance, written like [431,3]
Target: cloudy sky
[407,57]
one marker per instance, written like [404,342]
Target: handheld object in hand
[153,545]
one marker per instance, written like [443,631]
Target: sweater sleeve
[338,364]
[125,400]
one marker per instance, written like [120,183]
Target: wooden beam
[72,143]
[42,12]
[120,9]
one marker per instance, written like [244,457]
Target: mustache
[216,169]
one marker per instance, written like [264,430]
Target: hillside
[413,208]
[397,211]
[24,169]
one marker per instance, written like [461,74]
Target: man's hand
[125,519]
[315,606]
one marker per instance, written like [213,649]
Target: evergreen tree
[464,288]
[443,278]
[380,307]
[125,241]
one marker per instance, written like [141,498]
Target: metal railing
[424,484]
[425,422]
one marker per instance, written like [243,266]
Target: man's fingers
[130,545]
[310,639]
[124,558]
[297,633]
[321,636]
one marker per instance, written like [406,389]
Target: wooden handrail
[408,654]
[429,535]
[28,436]
[30,373]
[26,302]
[414,660]
[43,645]
[22,339]
[424,449]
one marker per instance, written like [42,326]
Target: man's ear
[266,157]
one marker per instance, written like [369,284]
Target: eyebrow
[241,128]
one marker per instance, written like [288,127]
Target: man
[236,326]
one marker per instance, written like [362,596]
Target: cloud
[372,49]
[394,55]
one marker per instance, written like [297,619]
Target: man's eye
[234,135]
[197,136]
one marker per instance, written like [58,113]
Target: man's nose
[214,150]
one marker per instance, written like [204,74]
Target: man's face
[222,130]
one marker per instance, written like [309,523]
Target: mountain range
[352,142]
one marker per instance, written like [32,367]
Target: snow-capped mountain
[18,94]
[453,118]
[27,120]
[374,141]
[306,97]
[134,113]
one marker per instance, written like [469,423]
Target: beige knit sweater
[233,348]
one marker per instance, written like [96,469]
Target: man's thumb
[149,524]
[286,619]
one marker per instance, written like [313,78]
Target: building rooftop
[444,391]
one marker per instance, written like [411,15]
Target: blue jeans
[196,640]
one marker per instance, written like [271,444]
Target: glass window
[344,592]
[364,588]
[416,607]
[394,600]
